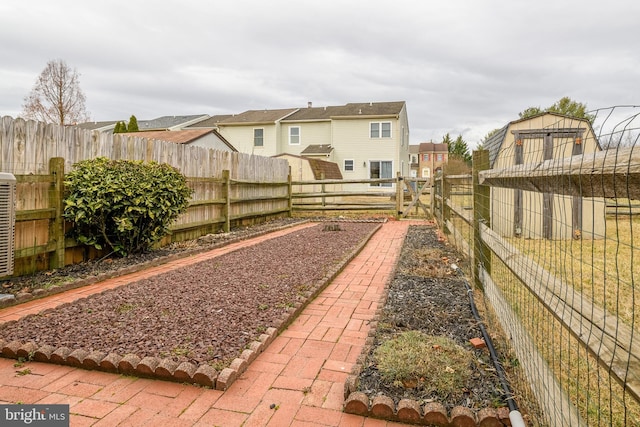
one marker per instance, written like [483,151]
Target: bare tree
[56,96]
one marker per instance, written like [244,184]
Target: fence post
[446,196]
[481,215]
[290,190]
[226,194]
[399,195]
[56,201]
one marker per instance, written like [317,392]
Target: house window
[294,135]
[348,165]
[380,169]
[425,157]
[380,130]
[258,137]
[439,158]
[414,159]
[426,173]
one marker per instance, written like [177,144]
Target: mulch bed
[426,295]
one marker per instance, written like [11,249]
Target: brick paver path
[297,381]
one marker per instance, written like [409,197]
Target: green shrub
[122,204]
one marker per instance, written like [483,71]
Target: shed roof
[320,168]
[317,149]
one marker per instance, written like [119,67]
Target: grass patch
[414,359]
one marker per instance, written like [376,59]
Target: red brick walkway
[297,381]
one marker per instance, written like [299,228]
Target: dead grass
[432,363]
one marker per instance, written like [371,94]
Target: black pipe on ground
[514,413]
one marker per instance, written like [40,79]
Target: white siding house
[366,140]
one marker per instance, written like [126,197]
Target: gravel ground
[205,313]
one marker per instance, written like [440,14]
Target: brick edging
[167,369]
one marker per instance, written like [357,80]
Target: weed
[263,306]
[180,351]
[23,372]
[125,308]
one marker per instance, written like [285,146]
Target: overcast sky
[463,66]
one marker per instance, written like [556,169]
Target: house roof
[211,122]
[257,117]
[349,110]
[317,149]
[320,168]
[362,109]
[166,122]
[179,136]
[431,147]
[97,125]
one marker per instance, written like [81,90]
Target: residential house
[534,215]
[414,155]
[366,140]
[160,123]
[432,157]
[105,126]
[171,122]
[205,138]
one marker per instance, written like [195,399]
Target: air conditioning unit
[7,222]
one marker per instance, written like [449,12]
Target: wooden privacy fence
[228,188]
[41,241]
[568,304]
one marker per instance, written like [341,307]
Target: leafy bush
[122,204]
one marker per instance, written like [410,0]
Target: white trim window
[380,130]
[349,165]
[294,135]
[258,137]
[380,169]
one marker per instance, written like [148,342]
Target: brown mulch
[204,313]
